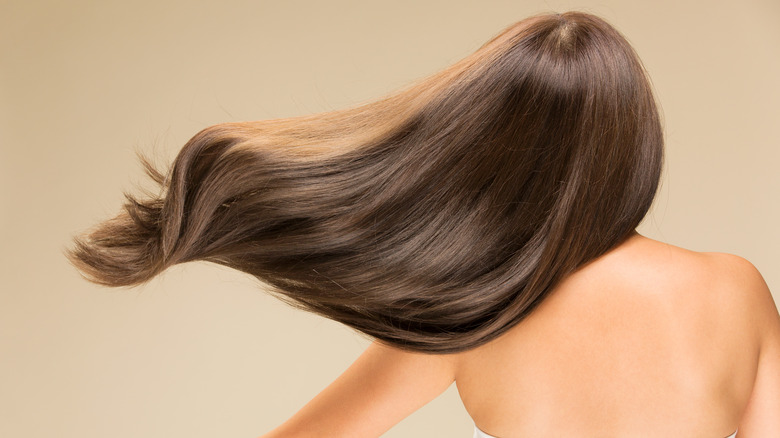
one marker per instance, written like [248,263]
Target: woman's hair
[433,219]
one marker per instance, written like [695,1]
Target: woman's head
[434,218]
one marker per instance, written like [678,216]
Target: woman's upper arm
[383,386]
[762,414]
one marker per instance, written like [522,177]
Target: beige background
[199,352]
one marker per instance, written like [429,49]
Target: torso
[648,337]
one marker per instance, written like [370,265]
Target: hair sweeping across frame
[433,219]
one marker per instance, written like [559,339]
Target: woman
[480,225]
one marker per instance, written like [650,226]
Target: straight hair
[433,219]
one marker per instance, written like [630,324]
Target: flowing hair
[433,219]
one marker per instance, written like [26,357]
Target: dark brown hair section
[433,219]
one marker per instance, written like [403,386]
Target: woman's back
[649,337]
[438,217]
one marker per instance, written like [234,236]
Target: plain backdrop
[200,351]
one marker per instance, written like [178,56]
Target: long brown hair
[434,218]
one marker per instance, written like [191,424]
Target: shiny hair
[433,219]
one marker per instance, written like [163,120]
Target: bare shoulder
[743,292]
[735,265]
[746,284]
[733,275]
[759,417]
[715,292]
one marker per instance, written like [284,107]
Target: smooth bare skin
[648,340]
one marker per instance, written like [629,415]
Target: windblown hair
[433,219]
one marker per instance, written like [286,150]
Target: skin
[647,340]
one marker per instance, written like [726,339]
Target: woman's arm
[383,386]
[762,415]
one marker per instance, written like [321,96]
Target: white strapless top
[479,434]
